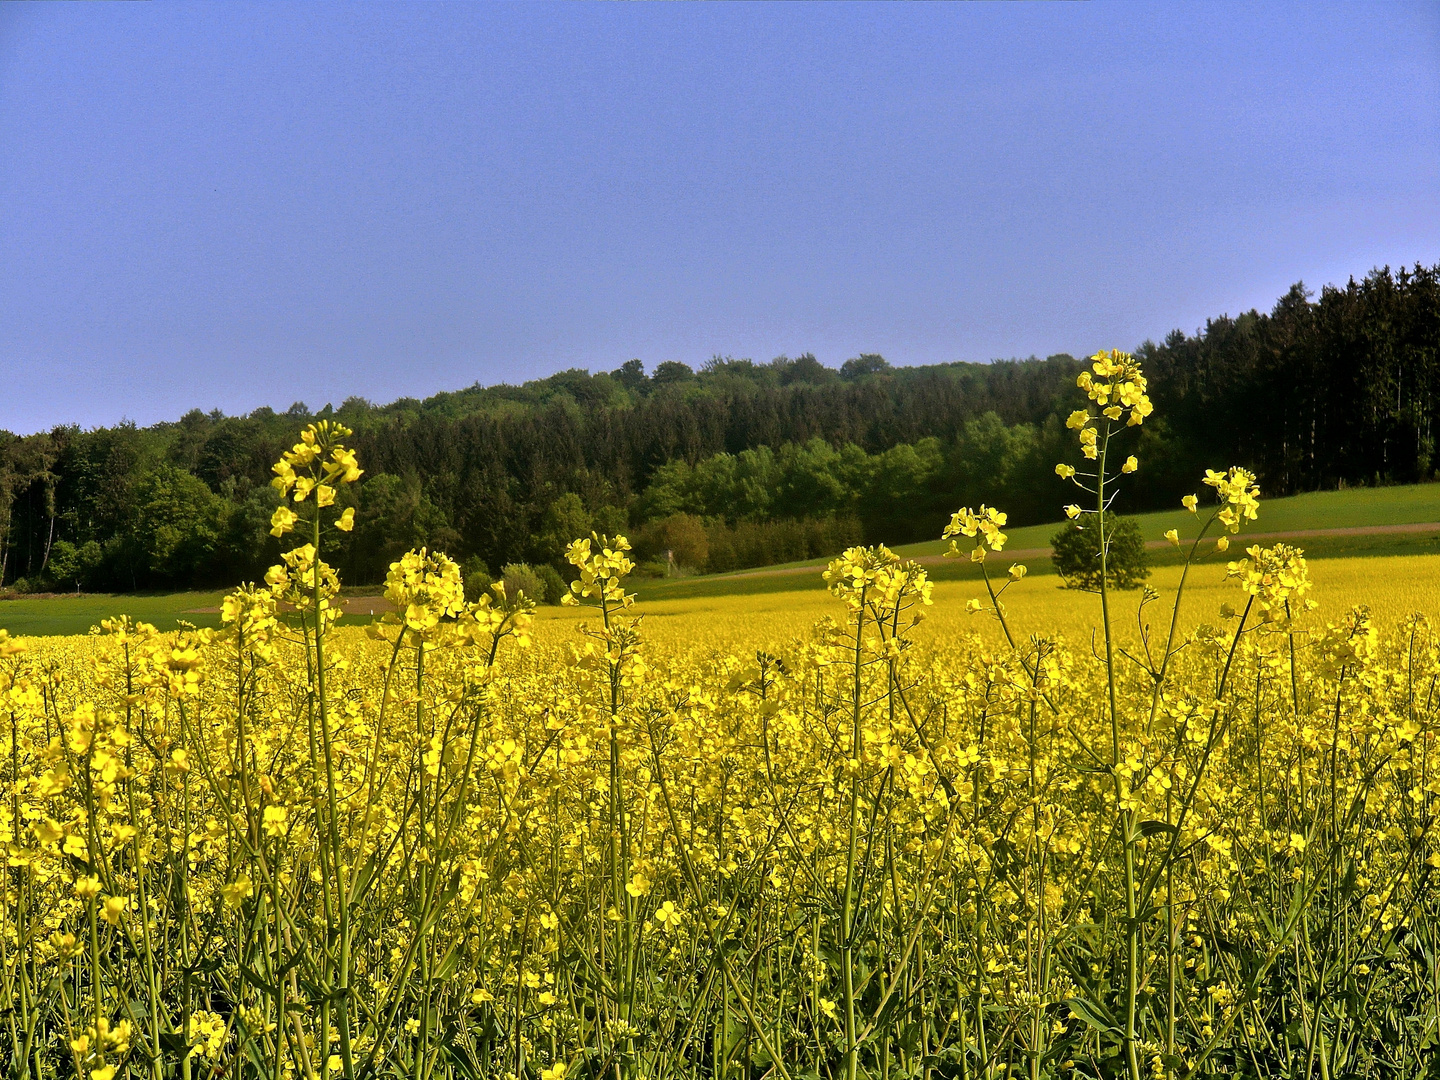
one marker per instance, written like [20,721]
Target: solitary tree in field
[1076,552]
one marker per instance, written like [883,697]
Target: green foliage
[477,578]
[552,585]
[395,516]
[1076,552]
[762,543]
[70,565]
[522,578]
[564,521]
[679,540]
[175,525]
[864,364]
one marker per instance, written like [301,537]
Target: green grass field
[77,614]
[1353,508]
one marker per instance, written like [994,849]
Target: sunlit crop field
[1391,587]
[873,831]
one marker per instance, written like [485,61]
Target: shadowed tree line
[738,463]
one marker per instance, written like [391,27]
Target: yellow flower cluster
[425,588]
[602,565]
[1277,577]
[878,579]
[1238,494]
[318,463]
[1116,384]
[983,524]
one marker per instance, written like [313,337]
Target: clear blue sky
[235,205]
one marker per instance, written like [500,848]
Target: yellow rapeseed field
[1392,588]
[798,836]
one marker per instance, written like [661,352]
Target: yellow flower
[669,916]
[1173,535]
[1065,472]
[346,521]
[1190,502]
[1131,464]
[87,888]
[1072,511]
[1017,571]
[284,476]
[47,831]
[1126,386]
[275,818]
[638,885]
[236,891]
[1274,576]
[602,572]
[113,908]
[282,521]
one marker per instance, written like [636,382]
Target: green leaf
[1153,827]
[1093,1014]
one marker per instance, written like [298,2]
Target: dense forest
[738,463]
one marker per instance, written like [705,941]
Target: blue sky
[238,205]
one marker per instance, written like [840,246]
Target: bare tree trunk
[50,539]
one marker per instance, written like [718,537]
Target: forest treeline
[738,463]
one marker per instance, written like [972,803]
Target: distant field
[1365,508]
[1392,588]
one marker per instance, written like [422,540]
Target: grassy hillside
[1353,508]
